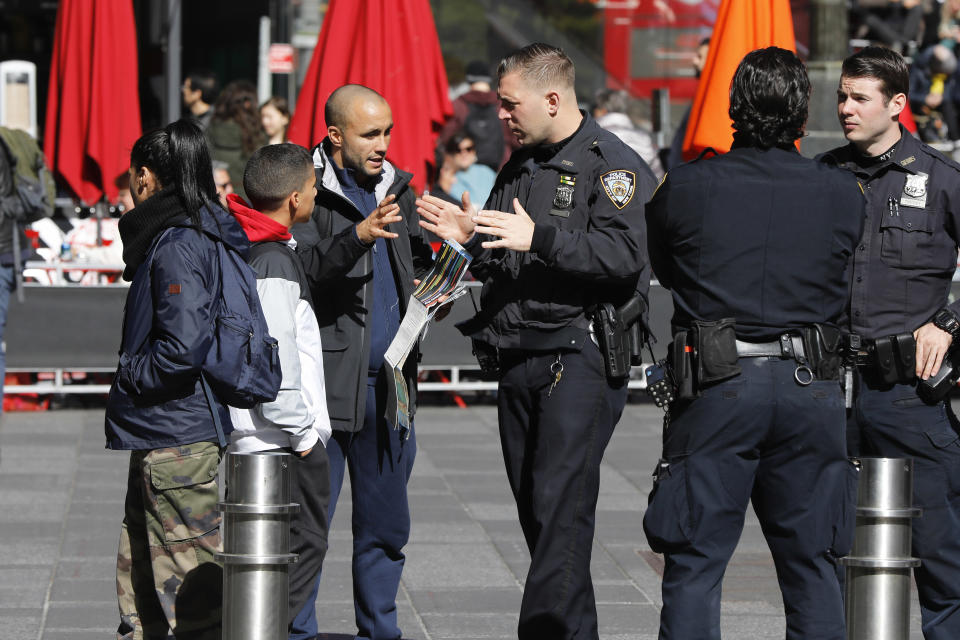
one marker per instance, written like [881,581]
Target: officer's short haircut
[206,82]
[882,64]
[541,65]
[769,99]
[274,172]
[336,111]
[613,101]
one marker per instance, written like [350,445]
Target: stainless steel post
[256,546]
[877,591]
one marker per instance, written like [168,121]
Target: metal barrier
[256,546]
[877,592]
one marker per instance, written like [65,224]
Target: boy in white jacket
[280,182]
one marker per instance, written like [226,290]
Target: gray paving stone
[83,590]
[436,566]
[18,624]
[29,552]
[504,600]
[447,532]
[82,616]
[441,626]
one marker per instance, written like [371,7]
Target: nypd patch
[619,186]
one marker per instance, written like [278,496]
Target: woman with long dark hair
[157,408]
[235,131]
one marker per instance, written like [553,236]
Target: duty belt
[789,346]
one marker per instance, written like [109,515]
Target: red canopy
[93,106]
[742,26]
[390,46]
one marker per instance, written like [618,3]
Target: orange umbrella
[93,107]
[392,47]
[742,26]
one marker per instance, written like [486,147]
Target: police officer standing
[902,271]
[563,233]
[755,259]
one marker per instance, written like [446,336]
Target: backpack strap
[208,392]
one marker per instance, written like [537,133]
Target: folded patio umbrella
[390,46]
[741,27]
[93,105]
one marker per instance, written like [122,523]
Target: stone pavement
[61,499]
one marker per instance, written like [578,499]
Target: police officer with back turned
[902,271]
[754,246]
[561,251]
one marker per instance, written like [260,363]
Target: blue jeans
[380,463]
[8,283]
[893,422]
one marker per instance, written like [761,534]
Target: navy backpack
[242,366]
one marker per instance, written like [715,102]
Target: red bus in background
[650,44]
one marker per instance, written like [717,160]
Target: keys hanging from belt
[556,369]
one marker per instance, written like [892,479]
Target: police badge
[619,186]
[915,191]
[563,198]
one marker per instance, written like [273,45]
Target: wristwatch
[946,320]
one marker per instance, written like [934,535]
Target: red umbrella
[742,26]
[93,106]
[390,46]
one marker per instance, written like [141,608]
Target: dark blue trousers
[380,463]
[759,436]
[892,422]
[552,447]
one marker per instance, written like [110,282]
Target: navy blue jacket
[157,399]
[761,236]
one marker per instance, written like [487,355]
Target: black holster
[487,358]
[619,335]
[822,345]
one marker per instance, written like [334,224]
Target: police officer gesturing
[754,246]
[901,279]
[562,233]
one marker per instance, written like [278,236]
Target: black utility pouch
[821,344]
[906,356]
[716,349]
[613,340]
[936,387]
[681,363]
[895,358]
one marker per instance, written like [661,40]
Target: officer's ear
[553,102]
[897,104]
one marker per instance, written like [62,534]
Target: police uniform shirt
[762,236]
[904,264]
[585,196]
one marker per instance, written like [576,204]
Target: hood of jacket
[258,227]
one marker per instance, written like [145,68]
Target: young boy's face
[308,194]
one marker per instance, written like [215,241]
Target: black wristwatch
[946,320]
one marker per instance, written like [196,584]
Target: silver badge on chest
[563,198]
[915,191]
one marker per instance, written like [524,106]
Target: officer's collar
[557,155]
[902,158]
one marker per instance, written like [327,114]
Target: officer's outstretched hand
[374,225]
[445,219]
[932,345]
[514,230]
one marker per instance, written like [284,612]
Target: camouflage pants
[166,574]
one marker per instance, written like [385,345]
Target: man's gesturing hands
[374,225]
[448,221]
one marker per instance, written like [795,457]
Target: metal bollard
[256,546]
[877,591]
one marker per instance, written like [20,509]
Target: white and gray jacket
[298,418]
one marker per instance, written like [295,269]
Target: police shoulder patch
[619,186]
